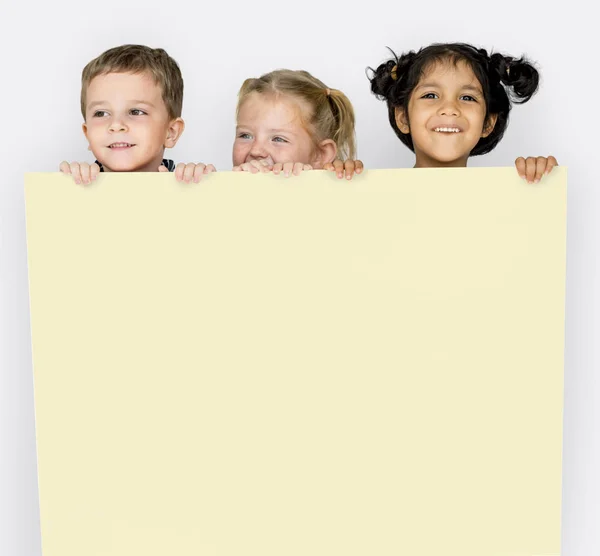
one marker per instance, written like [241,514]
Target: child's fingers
[328,166]
[530,167]
[349,169]
[246,167]
[188,172]
[287,168]
[65,167]
[179,169]
[552,162]
[521,166]
[359,166]
[261,165]
[297,168]
[540,168]
[163,168]
[76,172]
[307,167]
[198,172]
[210,168]
[84,169]
[338,166]
[277,168]
[94,171]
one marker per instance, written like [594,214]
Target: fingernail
[348,177]
[536,181]
[339,175]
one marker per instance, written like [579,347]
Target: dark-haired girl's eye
[429,95]
[469,98]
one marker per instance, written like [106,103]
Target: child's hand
[190,172]
[350,167]
[81,172]
[254,167]
[533,168]
[291,168]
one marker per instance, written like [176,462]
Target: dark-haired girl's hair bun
[383,79]
[386,76]
[518,75]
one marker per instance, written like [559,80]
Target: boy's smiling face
[127,123]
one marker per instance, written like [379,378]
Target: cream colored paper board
[256,365]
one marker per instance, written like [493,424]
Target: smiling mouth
[447,129]
[121,145]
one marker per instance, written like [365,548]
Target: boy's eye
[100,113]
[137,112]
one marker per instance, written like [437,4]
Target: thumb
[162,168]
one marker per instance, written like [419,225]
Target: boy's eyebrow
[97,103]
[101,102]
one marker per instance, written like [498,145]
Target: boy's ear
[326,152]
[85,132]
[84,127]
[174,132]
[402,120]
[489,125]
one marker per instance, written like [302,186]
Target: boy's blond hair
[135,58]
[332,114]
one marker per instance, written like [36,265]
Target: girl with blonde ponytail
[289,122]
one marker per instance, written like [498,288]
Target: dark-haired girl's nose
[449,109]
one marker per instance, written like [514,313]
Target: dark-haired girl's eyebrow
[472,88]
[433,85]
[430,85]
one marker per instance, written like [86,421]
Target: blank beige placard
[255,365]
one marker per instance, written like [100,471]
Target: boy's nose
[117,125]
